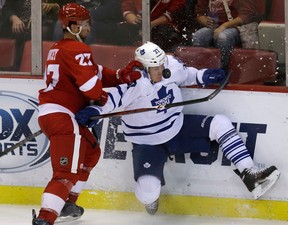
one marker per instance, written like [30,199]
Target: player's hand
[84,115]
[129,74]
[101,101]
[211,76]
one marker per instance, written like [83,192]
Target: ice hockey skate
[38,221]
[259,181]
[70,212]
[152,208]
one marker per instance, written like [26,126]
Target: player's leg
[257,181]
[147,191]
[57,190]
[148,164]
[71,211]
[220,128]
[66,147]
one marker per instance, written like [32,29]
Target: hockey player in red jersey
[73,79]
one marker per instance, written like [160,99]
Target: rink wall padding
[169,204]
[196,184]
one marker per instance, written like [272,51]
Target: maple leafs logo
[164,99]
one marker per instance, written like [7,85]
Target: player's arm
[112,78]
[120,96]
[185,76]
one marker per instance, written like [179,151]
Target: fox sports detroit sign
[18,120]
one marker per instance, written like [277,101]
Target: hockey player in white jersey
[167,131]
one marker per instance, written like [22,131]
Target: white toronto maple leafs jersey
[157,126]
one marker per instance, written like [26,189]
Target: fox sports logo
[18,120]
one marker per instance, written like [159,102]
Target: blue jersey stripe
[152,125]
[145,134]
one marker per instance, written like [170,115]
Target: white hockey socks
[234,149]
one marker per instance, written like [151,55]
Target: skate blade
[262,188]
[63,219]
[33,214]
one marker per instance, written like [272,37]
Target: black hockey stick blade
[20,143]
[188,102]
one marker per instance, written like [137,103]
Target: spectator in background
[109,26]
[217,30]
[16,22]
[105,19]
[166,19]
[17,17]
[2,2]
[188,22]
[132,11]
[50,9]
[132,25]
[89,4]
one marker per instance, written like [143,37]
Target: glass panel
[115,22]
[50,11]
[189,26]
[116,30]
[15,30]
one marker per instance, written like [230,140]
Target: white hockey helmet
[150,55]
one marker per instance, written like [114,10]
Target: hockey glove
[129,74]
[211,76]
[83,116]
[102,99]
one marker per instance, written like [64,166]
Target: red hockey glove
[102,99]
[128,74]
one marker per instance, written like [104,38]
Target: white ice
[22,215]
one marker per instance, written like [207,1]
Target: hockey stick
[167,106]
[132,111]
[20,143]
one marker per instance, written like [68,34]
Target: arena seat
[112,56]
[248,66]
[7,56]
[199,57]
[272,31]
[26,57]
[277,11]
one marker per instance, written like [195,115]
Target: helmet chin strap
[76,34]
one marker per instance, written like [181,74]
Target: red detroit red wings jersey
[72,77]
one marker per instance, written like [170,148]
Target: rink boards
[195,184]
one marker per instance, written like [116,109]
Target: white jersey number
[52,76]
[84,59]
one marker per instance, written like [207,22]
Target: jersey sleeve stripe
[89,84]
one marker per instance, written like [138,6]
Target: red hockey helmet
[73,12]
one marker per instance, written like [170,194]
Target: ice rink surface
[21,215]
